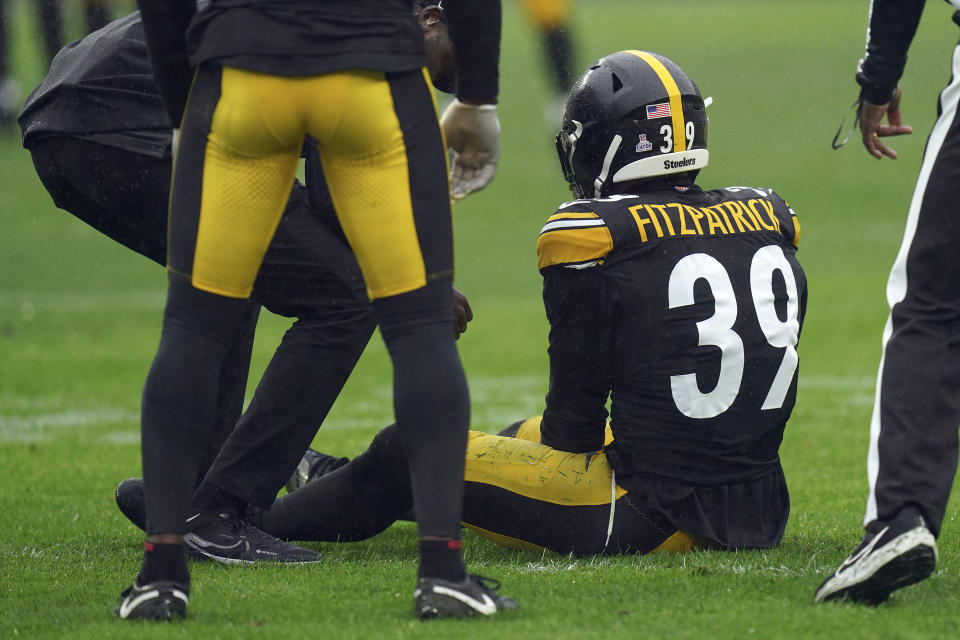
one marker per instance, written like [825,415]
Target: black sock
[163,562]
[442,559]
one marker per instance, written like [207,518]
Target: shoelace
[255,535]
[232,520]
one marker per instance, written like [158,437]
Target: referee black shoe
[313,465]
[225,537]
[892,555]
[475,595]
[159,600]
[222,535]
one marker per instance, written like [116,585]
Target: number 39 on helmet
[633,115]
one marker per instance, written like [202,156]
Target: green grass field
[80,319]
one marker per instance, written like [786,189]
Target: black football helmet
[632,115]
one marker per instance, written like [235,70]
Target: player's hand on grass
[462,313]
[473,135]
[872,127]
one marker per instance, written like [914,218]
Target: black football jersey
[308,37]
[685,307]
[312,37]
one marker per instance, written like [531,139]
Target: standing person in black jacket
[349,75]
[100,143]
[912,458]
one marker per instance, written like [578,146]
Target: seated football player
[101,145]
[682,306]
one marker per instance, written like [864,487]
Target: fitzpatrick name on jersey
[582,233]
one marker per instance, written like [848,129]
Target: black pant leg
[51,27]
[180,397]
[121,194]
[355,502]
[233,388]
[431,402]
[914,443]
[308,272]
[300,385]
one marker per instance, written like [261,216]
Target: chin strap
[605,169]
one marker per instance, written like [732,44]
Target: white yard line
[28,301]
[48,426]
[496,403]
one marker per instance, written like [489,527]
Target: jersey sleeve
[165,25]
[474,27]
[892,26]
[581,351]
[789,222]
[575,239]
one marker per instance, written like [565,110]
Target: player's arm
[892,26]
[474,28]
[581,347]
[165,25]
[470,123]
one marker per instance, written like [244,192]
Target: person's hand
[473,135]
[872,127]
[462,313]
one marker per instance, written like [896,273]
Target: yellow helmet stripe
[673,91]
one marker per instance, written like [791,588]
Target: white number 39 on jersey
[717,330]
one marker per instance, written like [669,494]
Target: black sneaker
[476,595]
[313,465]
[131,499]
[223,536]
[891,556]
[153,601]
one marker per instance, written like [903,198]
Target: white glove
[473,135]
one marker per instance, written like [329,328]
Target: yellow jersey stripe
[573,246]
[578,216]
[673,91]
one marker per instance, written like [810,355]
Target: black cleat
[475,595]
[892,555]
[224,537]
[313,465]
[159,600]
